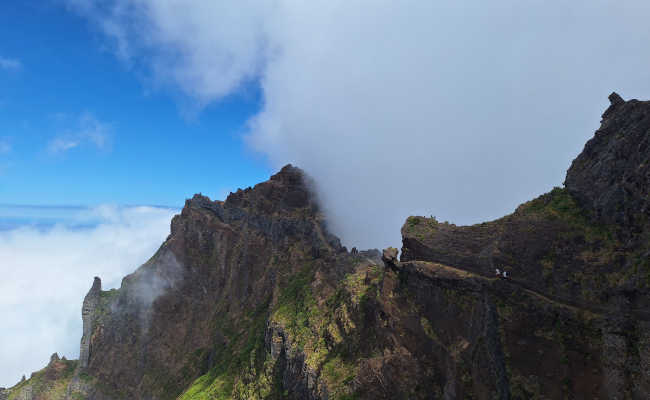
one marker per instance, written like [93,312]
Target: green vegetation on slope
[49,383]
[600,253]
[240,356]
[558,204]
[322,330]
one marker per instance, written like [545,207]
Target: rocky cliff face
[578,265]
[611,177]
[88,310]
[203,302]
[252,298]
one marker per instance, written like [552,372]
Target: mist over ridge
[48,265]
[461,111]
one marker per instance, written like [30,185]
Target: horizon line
[82,207]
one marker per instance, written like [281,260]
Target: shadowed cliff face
[252,298]
[573,314]
[88,310]
[587,243]
[611,177]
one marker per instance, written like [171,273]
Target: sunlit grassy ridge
[49,383]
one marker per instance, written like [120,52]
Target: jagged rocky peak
[54,358]
[97,285]
[389,256]
[288,190]
[284,205]
[87,311]
[290,175]
[611,177]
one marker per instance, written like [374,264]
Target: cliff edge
[253,298]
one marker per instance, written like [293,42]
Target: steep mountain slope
[252,298]
[50,383]
[201,304]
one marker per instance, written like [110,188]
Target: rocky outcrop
[294,373]
[611,177]
[389,255]
[50,383]
[87,315]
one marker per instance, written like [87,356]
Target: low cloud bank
[48,268]
[460,110]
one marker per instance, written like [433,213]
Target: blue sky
[155,150]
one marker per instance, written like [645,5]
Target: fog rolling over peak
[456,110]
[48,258]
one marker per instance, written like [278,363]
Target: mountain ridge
[253,298]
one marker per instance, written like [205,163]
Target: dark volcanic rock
[389,255]
[173,318]
[611,177]
[578,264]
[252,298]
[87,315]
[588,243]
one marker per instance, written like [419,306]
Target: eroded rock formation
[611,177]
[253,298]
[88,310]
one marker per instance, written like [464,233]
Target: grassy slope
[49,383]
[322,329]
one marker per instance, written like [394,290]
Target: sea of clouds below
[48,258]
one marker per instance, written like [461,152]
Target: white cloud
[184,44]
[47,272]
[5,147]
[59,145]
[457,109]
[89,130]
[10,64]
